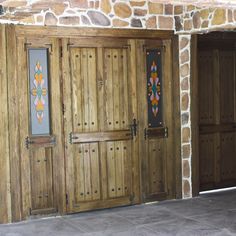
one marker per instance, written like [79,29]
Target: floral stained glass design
[39,92]
[154,91]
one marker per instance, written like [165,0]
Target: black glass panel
[154,84]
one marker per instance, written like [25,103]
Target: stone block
[155,8]
[185,84]
[69,20]
[185,118]
[184,42]
[186,151]
[137,3]
[196,20]
[219,17]
[186,169]
[140,12]
[50,19]
[85,20]
[184,70]
[39,19]
[178,10]
[205,24]
[97,18]
[119,23]
[184,102]
[168,9]
[191,8]
[58,8]
[186,135]
[151,22]
[184,56]
[188,25]
[122,10]
[79,3]
[186,189]
[165,22]
[178,23]
[204,14]
[106,6]
[136,23]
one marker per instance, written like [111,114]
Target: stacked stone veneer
[184,19]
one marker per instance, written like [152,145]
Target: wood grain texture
[5,203]
[24,127]
[92,32]
[13,109]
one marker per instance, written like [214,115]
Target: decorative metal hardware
[133,128]
[161,132]
[42,141]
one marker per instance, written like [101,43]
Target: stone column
[184,63]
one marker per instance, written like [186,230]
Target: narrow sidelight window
[39,91]
[154,87]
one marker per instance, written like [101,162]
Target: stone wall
[184,19]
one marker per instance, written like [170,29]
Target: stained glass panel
[39,94]
[154,84]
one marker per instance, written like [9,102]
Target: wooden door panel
[84,87]
[99,156]
[157,166]
[207,160]
[41,179]
[216,69]
[118,165]
[86,173]
[228,157]
[206,79]
[227,89]
[116,89]
[154,81]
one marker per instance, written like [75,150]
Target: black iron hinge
[133,128]
[61,52]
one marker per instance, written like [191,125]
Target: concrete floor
[210,214]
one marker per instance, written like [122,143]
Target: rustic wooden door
[40,130]
[100,123]
[155,106]
[217,113]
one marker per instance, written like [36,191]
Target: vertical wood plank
[132,68]
[92,89]
[23,126]
[57,128]
[13,109]
[69,151]
[168,108]
[102,119]
[95,171]
[142,117]
[5,203]
[87,172]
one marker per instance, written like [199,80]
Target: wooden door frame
[194,109]
[59,33]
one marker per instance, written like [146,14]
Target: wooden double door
[113,156]
[217,111]
[100,150]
